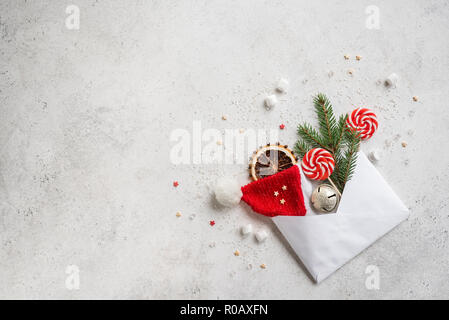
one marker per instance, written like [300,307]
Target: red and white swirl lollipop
[363,121]
[318,164]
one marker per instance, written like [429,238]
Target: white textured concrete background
[86,117]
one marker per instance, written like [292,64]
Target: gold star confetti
[276,193]
[282,201]
[284,188]
[263,266]
[236,253]
[178,214]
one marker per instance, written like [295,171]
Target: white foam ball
[261,235]
[392,80]
[246,230]
[270,102]
[282,85]
[228,192]
[375,155]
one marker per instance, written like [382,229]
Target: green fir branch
[335,176]
[349,160]
[333,136]
[340,132]
[326,119]
[301,148]
[311,136]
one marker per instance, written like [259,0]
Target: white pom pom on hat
[228,192]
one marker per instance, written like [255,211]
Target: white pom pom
[227,192]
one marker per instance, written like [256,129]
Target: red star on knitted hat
[261,196]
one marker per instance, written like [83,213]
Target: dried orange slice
[269,160]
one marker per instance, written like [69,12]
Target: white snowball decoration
[282,85]
[375,155]
[261,235]
[227,192]
[392,80]
[246,230]
[271,101]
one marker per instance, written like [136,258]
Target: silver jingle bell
[325,198]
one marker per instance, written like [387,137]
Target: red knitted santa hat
[279,194]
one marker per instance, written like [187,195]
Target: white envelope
[369,208]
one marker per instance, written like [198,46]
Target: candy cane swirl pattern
[364,121]
[318,164]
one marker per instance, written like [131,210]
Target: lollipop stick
[333,185]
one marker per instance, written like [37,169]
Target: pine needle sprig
[326,119]
[349,160]
[340,132]
[301,148]
[335,176]
[310,136]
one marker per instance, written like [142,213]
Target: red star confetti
[175,184]
[282,126]
[212,223]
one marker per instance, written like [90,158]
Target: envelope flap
[368,190]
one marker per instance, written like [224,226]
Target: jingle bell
[325,198]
